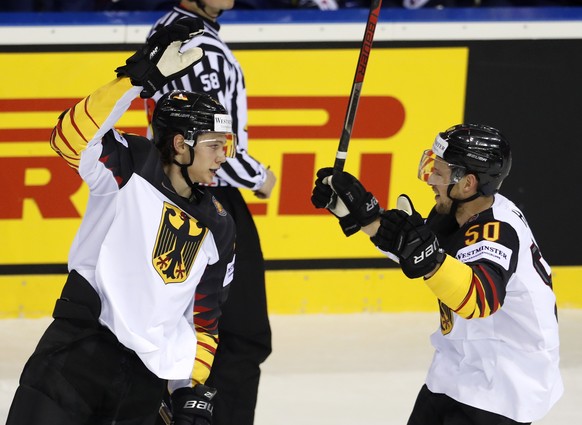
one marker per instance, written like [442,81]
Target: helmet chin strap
[457,202]
[184,170]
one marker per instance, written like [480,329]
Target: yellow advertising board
[296,119]
[297,104]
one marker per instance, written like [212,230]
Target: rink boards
[516,73]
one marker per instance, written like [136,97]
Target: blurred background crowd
[153,5]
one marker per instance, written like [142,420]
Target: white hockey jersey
[159,263]
[497,349]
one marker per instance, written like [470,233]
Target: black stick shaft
[166,414]
[342,150]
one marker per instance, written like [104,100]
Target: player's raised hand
[403,232]
[323,196]
[392,230]
[160,59]
[360,203]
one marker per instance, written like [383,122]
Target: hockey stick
[166,413]
[342,150]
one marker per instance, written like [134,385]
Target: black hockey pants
[244,329]
[80,374]
[440,409]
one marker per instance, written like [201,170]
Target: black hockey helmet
[190,114]
[473,149]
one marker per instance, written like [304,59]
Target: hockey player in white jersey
[496,357]
[153,258]
[245,332]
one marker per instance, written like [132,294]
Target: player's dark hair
[166,147]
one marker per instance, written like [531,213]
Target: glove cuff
[368,211]
[349,225]
[414,271]
[204,391]
[143,74]
[380,242]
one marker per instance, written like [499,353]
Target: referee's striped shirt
[219,75]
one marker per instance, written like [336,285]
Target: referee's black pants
[80,374]
[440,409]
[244,329]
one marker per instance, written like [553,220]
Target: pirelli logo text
[292,128]
[53,194]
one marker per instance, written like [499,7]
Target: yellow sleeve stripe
[99,105]
[205,351]
[453,285]
[70,140]
[81,123]
[60,145]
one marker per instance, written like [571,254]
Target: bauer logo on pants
[179,239]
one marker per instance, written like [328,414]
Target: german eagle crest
[179,240]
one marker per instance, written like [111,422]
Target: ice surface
[334,369]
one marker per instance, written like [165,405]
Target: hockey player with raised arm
[151,262]
[245,331]
[496,357]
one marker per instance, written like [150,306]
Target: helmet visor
[435,171]
[226,141]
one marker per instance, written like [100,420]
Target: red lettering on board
[379,117]
[53,199]
[298,174]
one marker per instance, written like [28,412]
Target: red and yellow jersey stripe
[88,120]
[469,290]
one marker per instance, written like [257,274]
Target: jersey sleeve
[86,123]
[474,284]
[212,291]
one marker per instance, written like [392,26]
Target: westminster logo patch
[179,240]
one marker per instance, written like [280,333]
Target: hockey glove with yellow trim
[323,196]
[160,60]
[193,406]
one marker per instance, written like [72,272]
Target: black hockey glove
[394,224]
[323,196]
[404,233]
[361,204]
[193,406]
[159,60]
